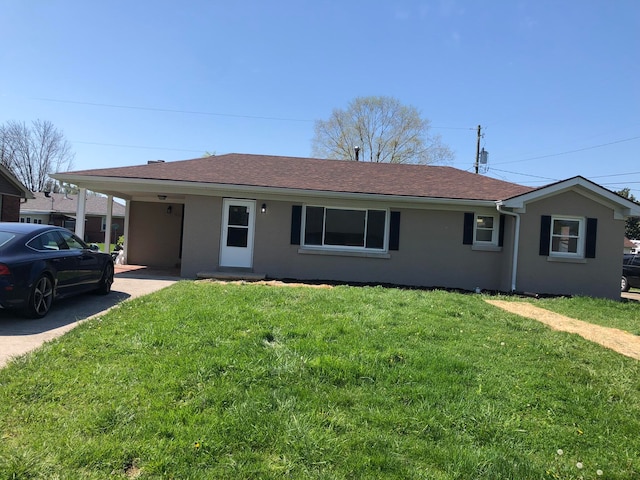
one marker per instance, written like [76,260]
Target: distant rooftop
[67,204]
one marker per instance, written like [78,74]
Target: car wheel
[40,298]
[106,281]
[624,284]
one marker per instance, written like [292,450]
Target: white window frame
[385,242]
[494,230]
[579,253]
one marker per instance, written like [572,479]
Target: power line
[169,110]
[572,151]
[524,174]
[617,175]
[139,147]
[196,112]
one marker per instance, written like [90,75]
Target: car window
[635,261]
[5,237]
[47,241]
[73,242]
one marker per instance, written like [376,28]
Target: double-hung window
[567,236]
[345,228]
[486,230]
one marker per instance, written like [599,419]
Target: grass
[623,315]
[205,380]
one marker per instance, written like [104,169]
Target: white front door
[236,246]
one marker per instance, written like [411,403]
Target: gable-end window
[567,237]
[330,227]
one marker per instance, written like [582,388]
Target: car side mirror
[94,247]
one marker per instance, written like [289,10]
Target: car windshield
[6,237]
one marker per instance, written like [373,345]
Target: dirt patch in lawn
[275,283]
[618,340]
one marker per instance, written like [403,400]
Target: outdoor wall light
[264,208]
[169,210]
[162,197]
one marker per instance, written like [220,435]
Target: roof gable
[317,175]
[621,206]
[10,185]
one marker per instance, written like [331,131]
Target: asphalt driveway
[19,335]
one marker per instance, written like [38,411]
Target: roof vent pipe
[357,150]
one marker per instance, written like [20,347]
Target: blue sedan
[43,263]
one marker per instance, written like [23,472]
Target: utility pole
[478,149]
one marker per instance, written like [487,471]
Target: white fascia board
[621,206]
[128,187]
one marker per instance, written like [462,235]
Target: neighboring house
[12,192]
[60,209]
[634,246]
[315,219]
[629,246]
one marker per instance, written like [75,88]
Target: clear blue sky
[555,84]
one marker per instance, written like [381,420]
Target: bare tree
[33,151]
[383,129]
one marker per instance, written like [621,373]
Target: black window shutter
[394,231]
[590,247]
[501,231]
[296,223]
[467,230]
[545,234]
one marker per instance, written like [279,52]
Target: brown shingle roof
[67,204]
[323,176]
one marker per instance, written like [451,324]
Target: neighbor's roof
[63,203]
[312,174]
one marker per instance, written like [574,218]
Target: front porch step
[232,276]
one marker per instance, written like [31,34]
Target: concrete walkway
[19,335]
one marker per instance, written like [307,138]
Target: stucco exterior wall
[597,277]
[202,230]
[431,251]
[155,238]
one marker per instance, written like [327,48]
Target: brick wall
[10,211]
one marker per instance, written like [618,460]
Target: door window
[238,226]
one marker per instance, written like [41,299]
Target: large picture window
[344,228]
[567,236]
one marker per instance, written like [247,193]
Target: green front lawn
[623,315]
[205,380]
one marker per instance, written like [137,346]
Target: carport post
[107,230]
[80,212]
